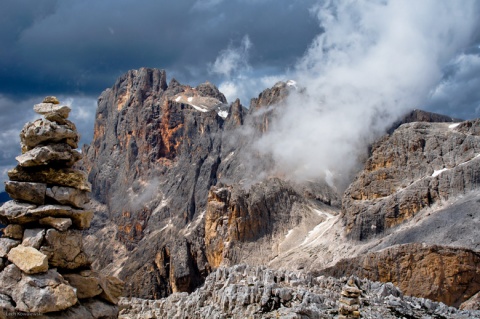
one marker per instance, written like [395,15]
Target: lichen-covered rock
[28,259]
[59,154]
[61,177]
[27,192]
[64,249]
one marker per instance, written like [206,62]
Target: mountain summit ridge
[181,191]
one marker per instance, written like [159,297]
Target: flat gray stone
[27,192]
[47,108]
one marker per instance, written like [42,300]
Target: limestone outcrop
[45,271]
[416,166]
[242,291]
[446,274]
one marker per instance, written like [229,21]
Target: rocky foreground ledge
[242,291]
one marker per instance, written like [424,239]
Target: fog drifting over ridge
[375,61]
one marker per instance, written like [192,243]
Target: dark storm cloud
[80,47]
[76,49]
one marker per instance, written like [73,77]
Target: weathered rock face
[257,292]
[416,166]
[157,151]
[449,275]
[38,244]
[236,217]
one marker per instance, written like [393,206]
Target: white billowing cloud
[245,86]
[233,59]
[375,60]
[239,79]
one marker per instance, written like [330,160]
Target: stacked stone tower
[44,271]
[350,300]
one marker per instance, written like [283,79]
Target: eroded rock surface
[449,275]
[418,165]
[257,292]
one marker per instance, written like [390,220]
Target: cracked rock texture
[416,166]
[242,291]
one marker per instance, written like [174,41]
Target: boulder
[68,196]
[61,224]
[62,176]
[43,155]
[33,237]
[6,244]
[86,282]
[48,108]
[65,249]
[28,259]
[13,231]
[43,131]
[27,192]
[43,293]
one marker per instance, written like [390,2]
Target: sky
[425,54]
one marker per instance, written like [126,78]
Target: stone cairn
[44,271]
[349,300]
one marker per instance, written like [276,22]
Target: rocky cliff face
[181,191]
[157,151]
[450,275]
[416,166]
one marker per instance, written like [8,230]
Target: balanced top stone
[51,99]
[48,108]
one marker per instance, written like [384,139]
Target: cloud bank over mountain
[375,61]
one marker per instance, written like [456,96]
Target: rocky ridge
[44,270]
[244,291]
[158,149]
[180,191]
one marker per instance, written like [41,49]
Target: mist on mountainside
[375,61]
